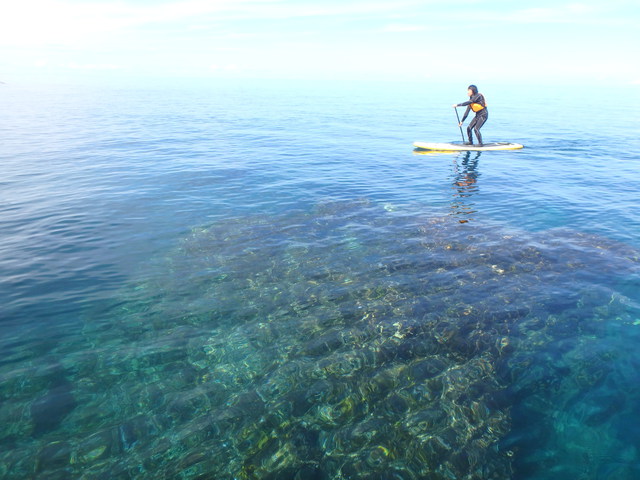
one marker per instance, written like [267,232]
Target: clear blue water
[265,281]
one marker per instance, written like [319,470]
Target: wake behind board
[461,147]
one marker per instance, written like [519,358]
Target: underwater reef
[353,341]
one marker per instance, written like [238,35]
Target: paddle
[458,117]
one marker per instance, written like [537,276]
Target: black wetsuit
[480,118]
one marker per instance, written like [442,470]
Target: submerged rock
[352,341]
[49,410]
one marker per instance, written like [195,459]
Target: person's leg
[470,128]
[478,122]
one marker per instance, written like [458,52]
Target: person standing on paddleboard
[478,104]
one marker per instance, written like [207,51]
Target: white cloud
[47,22]
[51,22]
[555,14]
[569,13]
[93,66]
[223,68]
[326,9]
[402,28]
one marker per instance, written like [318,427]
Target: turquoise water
[265,281]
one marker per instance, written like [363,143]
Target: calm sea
[265,281]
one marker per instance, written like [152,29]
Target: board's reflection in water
[465,185]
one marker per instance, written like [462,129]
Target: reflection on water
[351,341]
[465,178]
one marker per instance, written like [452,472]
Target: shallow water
[265,281]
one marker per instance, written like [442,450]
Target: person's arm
[466,113]
[477,98]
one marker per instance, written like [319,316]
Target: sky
[543,42]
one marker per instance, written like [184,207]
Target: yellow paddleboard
[461,147]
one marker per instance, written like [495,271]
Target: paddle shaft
[458,117]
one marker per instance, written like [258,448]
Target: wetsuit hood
[473,88]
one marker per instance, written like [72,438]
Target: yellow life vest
[476,107]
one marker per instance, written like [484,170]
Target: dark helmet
[473,88]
